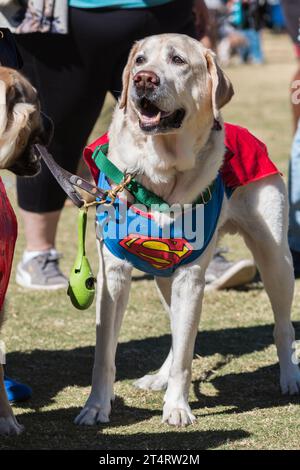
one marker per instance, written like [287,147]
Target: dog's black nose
[146,81]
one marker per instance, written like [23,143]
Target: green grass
[234,393]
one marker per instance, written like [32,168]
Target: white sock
[28,255]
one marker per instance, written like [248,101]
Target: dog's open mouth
[152,118]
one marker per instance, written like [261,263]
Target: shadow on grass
[49,372]
[55,430]
[243,392]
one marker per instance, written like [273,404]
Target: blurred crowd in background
[233,28]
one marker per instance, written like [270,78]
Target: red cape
[8,236]
[246,158]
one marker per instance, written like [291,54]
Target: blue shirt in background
[117,3]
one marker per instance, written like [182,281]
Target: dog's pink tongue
[151,120]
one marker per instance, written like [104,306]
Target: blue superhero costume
[132,234]
[137,237]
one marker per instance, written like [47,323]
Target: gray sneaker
[223,274]
[41,272]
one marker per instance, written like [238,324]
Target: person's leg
[244,49]
[251,50]
[255,53]
[294,175]
[41,199]
[294,199]
[233,41]
[40,229]
[291,10]
[61,69]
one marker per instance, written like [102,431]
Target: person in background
[274,17]
[246,16]
[291,10]
[74,52]
[224,38]
[204,24]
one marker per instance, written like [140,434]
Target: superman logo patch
[160,253]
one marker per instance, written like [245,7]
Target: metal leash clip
[112,194]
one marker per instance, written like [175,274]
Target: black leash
[81,288]
[67,180]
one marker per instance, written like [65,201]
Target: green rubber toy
[82,281]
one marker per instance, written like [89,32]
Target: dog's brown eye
[177,60]
[140,59]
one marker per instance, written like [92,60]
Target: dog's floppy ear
[222,89]
[20,123]
[14,121]
[126,77]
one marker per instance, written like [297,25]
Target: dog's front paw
[178,415]
[290,381]
[10,426]
[152,382]
[93,414]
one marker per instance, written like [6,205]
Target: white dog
[167,130]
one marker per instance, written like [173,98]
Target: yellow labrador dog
[163,131]
[20,127]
